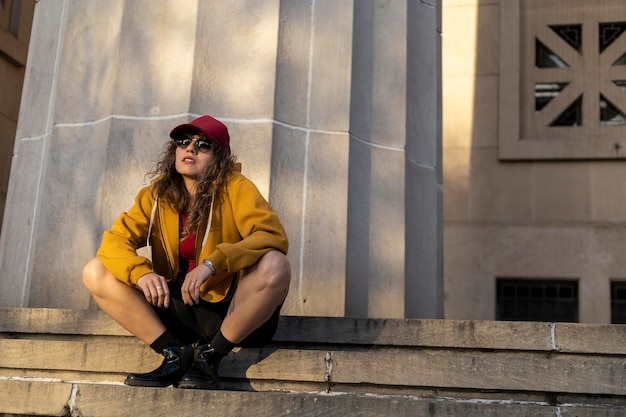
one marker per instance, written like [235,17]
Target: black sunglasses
[203,145]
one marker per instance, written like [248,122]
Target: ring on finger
[159,287]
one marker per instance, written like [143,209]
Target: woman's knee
[274,267]
[93,274]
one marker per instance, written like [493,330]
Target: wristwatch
[208,263]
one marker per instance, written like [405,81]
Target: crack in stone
[71,403]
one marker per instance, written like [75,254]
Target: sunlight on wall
[459,39]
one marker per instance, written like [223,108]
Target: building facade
[534,135]
[333,108]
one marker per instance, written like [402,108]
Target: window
[562,80]
[537,300]
[618,302]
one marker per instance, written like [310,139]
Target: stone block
[102,357]
[293,63]
[325,218]
[20,218]
[251,142]
[595,284]
[500,192]
[465,292]
[112,401]
[331,54]
[608,201]
[234,75]
[562,192]
[456,188]
[69,217]
[465,25]
[505,371]
[379,66]
[133,148]
[591,338]
[423,291]
[87,63]
[446,334]
[422,84]
[58,321]
[457,170]
[376,232]
[469,119]
[312,204]
[117,400]
[40,71]
[155,59]
[287,197]
[34,398]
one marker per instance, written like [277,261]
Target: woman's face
[192,158]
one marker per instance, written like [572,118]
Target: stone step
[109,400]
[80,359]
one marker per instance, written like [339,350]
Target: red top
[187,248]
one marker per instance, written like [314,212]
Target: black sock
[167,339]
[222,345]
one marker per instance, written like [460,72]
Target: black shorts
[200,322]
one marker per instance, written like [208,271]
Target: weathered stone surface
[372,367]
[58,321]
[234,62]
[77,356]
[19,222]
[432,333]
[34,397]
[609,339]
[483,370]
[114,401]
[78,399]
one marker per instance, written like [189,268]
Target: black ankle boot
[203,373]
[178,360]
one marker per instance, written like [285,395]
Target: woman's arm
[118,250]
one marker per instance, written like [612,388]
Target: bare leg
[261,289]
[124,304]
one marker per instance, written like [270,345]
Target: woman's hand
[155,289]
[193,280]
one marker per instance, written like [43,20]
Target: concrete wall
[333,108]
[526,219]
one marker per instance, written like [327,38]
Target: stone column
[394,258]
[376,198]
[424,178]
[333,110]
[310,158]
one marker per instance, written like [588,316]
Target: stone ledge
[83,399]
[342,354]
[336,366]
[465,334]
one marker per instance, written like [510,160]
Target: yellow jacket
[243,229]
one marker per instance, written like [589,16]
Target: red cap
[212,128]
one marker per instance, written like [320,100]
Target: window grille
[618,302]
[537,300]
[562,80]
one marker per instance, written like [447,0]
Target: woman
[218,274]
